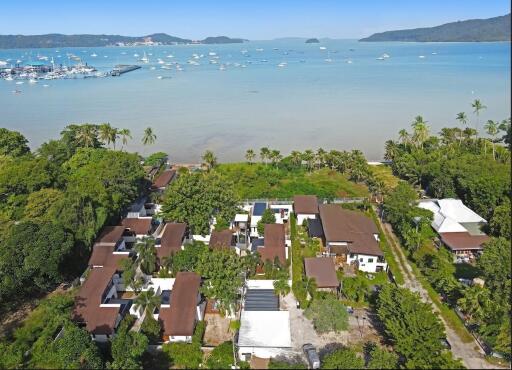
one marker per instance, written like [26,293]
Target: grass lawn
[384,173]
[253,181]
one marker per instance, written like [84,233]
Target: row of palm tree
[87,135]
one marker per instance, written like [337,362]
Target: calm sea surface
[317,99]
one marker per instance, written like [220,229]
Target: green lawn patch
[254,181]
[385,174]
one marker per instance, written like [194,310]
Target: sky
[254,20]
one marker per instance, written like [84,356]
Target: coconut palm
[309,157]
[296,157]
[250,155]
[391,150]
[209,159]
[463,119]
[264,154]
[105,133]
[86,135]
[492,128]
[147,301]
[421,130]
[275,156]
[149,136]
[281,287]
[146,255]
[477,107]
[475,302]
[125,135]
[404,137]
[320,157]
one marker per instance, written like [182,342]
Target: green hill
[473,30]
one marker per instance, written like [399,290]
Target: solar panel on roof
[261,300]
[259,208]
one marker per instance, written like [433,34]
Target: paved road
[470,353]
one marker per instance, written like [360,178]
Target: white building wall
[261,352]
[304,216]
[367,263]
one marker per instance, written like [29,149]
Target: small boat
[170,56]
[433,53]
[282,64]
[160,77]
[222,68]
[421,56]
[349,61]
[259,49]
[16,91]
[46,85]
[211,53]
[380,58]
[351,49]
[136,55]
[322,48]
[9,78]
[328,60]
[123,53]
[385,56]
[20,83]
[32,81]
[160,61]
[152,68]
[94,55]
[145,58]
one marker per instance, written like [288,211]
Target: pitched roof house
[171,239]
[162,181]
[221,239]
[274,244]
[323,270]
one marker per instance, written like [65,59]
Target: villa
[323,271]
[273,245]
[221,239]
[305,207]
[351,238]
[162,181]
[458,227]
[171,240]
[138,227]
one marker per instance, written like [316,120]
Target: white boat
[165,67]
[170,56]
[380,58]
[222,68]
[46,85]
[328,60]
[211,53]
[3,63]
[322,48]
[32,81]
[145,58]
[94,55]
[160,61]
[9,78]
[282,64]
[213,61]
[18,61]
[123,53]
[136,55]
[259,49]
[20,83]
[421,56]
[349,61]
[160,77]
[433,53]
[152,68]
[385,56]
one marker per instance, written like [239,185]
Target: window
[361,259]
[370,260]
[352,255]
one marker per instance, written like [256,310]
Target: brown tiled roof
[221,239]
[164,179]
[140,226]
[110,235]
[322,269]
[171,239]
[103,255]
[463,240]
[274,243]
[98,320]
[342,225]
[180,318]
[306,204]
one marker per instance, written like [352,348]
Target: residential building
[323,271]
[171,240]
[256,212]
[138,228]
[163,180]
[282,212]
[273,245]
[186,307]
[240,227]
[221,239]
[352,238]
[305,207]
[458,227]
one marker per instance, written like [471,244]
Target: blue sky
[257,19]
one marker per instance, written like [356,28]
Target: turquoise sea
[336,98]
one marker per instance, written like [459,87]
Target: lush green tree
[196,198]
[281,286]
[31,257]
[379,358]
[221,357]
[108,134]
[343,358]
[356,288]
[187,259]
[327,314]
[156,159]
[268,217]
[86,136]
[127,347]
[12,143]
[151,328]
[184,355]
[125,135]
[503,339]
[463,120]
[209,159]
[264,154]
[500,223]
[146,255]
[147,301]
[415,331]
[148,137]
[41,204]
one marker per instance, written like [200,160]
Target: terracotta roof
[274,243]
[140,226]
[180,318]
[110,235]
[463,241]
[103,256]
[164,179]
[220,239]
[307,204]
[342,225]
[322,269]
[98,320]
[171,239]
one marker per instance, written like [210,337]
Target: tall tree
[420,130]
[125,135]
[250,155]
[149,137]
[477,107]
[296,157]
[492,129]
[463,120]
[147,255]
[147,301]
[264,154]
[13,143]
[209,159]
[86,135]
[404,137]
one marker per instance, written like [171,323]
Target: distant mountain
[221,40]
[473,30]
[56,40]
[312,41]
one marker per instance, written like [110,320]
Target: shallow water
[308,103]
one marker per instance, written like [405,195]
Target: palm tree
[146,255]
[404,137]
[391,150]
[264,154]
[105,133]
[147,301]
[275,156]
[492,128]
[209,159]
[250,155]
[125,135]
[149,137]
[463,119]
[309,157]
[86,135]
[296,157]
[281,287]
[475,302]
[320,157]
[421,130]
[477,106]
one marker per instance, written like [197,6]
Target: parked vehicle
[311,355]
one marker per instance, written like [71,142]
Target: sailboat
[144,58]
